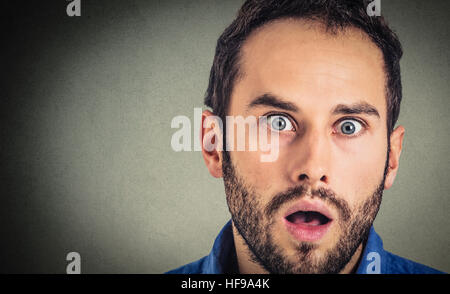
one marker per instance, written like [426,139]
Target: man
[326,77]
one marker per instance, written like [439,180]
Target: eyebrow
[356,108]
[272,101]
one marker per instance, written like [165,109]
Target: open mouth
[308,221]
[310,218]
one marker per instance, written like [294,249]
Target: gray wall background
[86,162]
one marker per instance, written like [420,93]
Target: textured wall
[86,163]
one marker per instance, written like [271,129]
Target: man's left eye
[349,127]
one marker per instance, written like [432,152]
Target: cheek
[360,167]
[263,177]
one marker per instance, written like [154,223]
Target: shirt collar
[222,258]
[373,254]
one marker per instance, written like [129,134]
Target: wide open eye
[349,127]
[279,123]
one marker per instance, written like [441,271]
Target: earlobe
[211,134]
[396,141]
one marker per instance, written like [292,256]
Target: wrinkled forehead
[296,58]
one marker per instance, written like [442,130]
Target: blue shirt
[375,260]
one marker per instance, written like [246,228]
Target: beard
[254,223]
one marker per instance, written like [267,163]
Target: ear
[211,139]
[396,141]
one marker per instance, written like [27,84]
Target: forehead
[302,63]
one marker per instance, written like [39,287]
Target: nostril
[303,177]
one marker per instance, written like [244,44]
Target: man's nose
[312,160]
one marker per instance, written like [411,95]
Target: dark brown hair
[334,14]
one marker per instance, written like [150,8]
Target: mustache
[299,192]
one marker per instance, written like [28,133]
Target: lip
[304,232]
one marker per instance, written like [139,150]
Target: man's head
[326,76]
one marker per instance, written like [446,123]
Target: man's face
[324,94]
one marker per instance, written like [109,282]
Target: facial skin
[327,154]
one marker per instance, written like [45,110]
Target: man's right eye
[279,123]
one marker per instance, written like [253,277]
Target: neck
[248,265]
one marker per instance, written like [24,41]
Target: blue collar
[219,261]
[374,259]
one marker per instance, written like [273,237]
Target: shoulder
[219,259]
[377,260]
[196,267]
[399,265]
